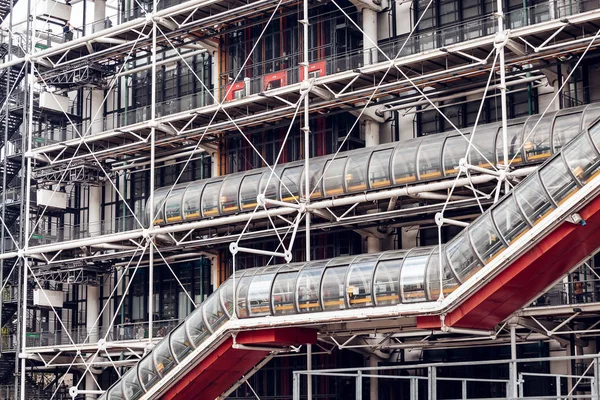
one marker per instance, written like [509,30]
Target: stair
[5,7]
[13,166]
[8,311]
[34,391]
[7,368]
[14,122]
[14,74]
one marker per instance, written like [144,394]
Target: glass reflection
[533,200]
[509,220]
[485,238]
[412,275]
[334,288]
[379,169]
[356,171]
[360,280]
[462,258]
[582,159]
[557,180]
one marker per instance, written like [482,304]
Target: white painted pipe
[458,95]
[166,158]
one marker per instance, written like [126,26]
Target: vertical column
[216,74]
[373,244]
[373,381]
[513,365]
[99,15]
[499,43]
[94,210]
[93,330]
[92,313]
[372,133]
[150,238]
[369,25]
[26,186]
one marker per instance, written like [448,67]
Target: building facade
[359,170]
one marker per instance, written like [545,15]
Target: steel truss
[365,91]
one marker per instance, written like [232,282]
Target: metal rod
[152,180]
[306,128]
[504,108]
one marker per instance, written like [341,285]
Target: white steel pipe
[458,95]
[383,195]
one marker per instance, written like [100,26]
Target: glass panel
[428,158]
[308,287]
[290,184]
[557,180]
[258,294]
[333,182]
[226,296]
[147,373]
[159,197]
[191,201]
[131,384]
[533,200]
[485,238]
[515,138]
[215,317]
[315,181]
[565,128]
[462,258]
[455,148]
[242,294]
[273,184]
[196,327]
[403,163]
[482,150]
[116,393]
[249,191]
[356,171]
[360,279]
[163,358]
[509,220]
[537,142]
[230,190]
[210,199]
[582,159]
[412,276]
[449,281]
[379,169]
[173,206]
[283,293]
[334,288]
[595,135]
[387,278]
[180,343]
[592,112]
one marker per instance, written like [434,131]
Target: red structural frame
[526,277]
[236,87]
[319,66]
[280,76]
[220,369]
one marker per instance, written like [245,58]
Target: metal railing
[495,379]
[253,76]
[52,233]
[575,292]
[81,335]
